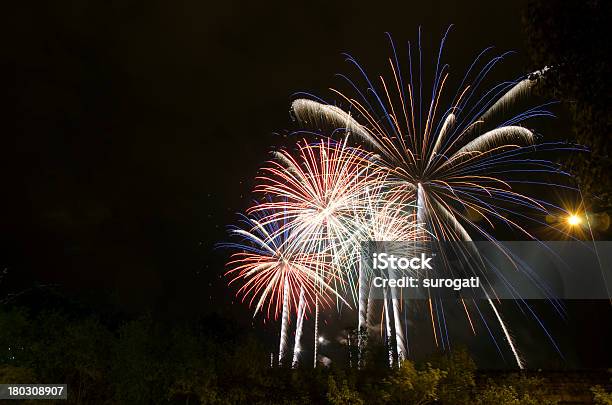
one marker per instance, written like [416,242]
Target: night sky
[140,127]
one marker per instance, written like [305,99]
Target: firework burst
[274,275]
[318,195]
[464,159]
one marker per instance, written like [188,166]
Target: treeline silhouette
[212,361]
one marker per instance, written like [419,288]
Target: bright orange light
[574,220]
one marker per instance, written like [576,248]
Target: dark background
[140,127]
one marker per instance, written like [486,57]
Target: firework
[273,274]
[384,220]
[450,161]
[318,195]
[297,346]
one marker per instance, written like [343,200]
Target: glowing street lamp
[574,220]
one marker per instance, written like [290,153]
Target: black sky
[141,124]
